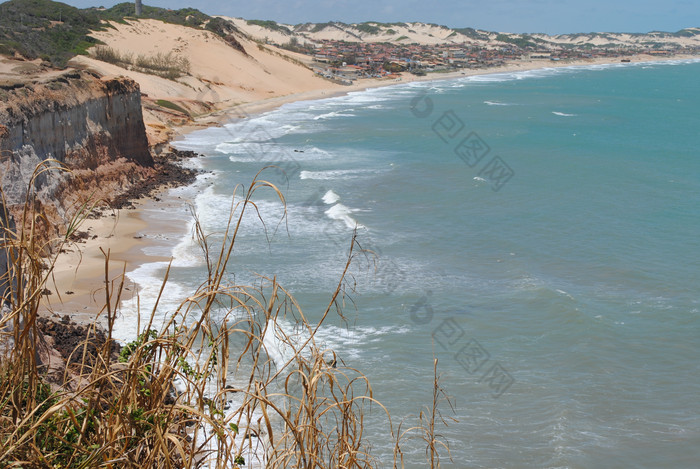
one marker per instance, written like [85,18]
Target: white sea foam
[366,97]
[563,114]
[330,115]
[330,197]
[342,213]
[258,130]
[254,152]
[497,103]
[149,278]
[282,339]
[533,74]
[562,292]
[337,174]
[350,342]
[213,212]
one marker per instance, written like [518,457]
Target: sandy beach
[77,283]
[78,278]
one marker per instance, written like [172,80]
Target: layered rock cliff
[78,121]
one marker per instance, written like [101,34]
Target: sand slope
[220,77]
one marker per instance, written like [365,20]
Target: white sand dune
[221,77]
[430,34]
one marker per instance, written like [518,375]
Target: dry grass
[170,66]
[200,390]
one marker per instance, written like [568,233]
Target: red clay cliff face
[90,126]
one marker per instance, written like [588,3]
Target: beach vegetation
[190,17]
[272,25]
[368,28]
[523,40]
[170,66]
[286,57]
[112,56]
[44,29]
[57,32]
[198,386]
[688,32]
[170,105]
[318,27]
[295,46]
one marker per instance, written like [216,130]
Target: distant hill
[427,34]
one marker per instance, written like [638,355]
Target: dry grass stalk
[200,390]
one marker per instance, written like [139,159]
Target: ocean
[537,232]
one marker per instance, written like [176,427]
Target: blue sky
[548,16]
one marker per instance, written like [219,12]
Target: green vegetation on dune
[473,33]
[688,32]
[522,41]
[56,32]
[269,24]
[52,31]
[368,28]
[184,16]
[170,105]
[315,28]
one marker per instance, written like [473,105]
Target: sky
[517,16]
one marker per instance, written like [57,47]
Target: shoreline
[131,237]
[128,233]
[253,108]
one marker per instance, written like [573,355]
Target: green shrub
[51,30]
[267,24]
[170,105]
[368,28]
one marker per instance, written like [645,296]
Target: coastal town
[349,61]
[372,57]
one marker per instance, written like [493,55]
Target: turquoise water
[558,289]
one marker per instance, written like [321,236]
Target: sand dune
[399,33]
[221,76]
[429,34]
[224,78]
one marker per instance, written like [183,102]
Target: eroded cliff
[88,129]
